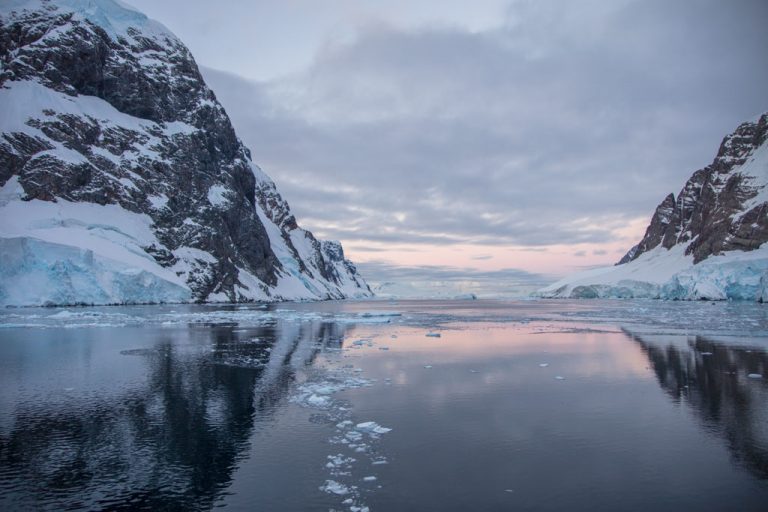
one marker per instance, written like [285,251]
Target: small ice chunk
[543,365]
[427,366]
[383,348]
[755,376]
[344,424]
[369,479]
[372,426]
[317,400]
[706,353]
[334,487]
[347,501]
[353,435]
[472,371]
[432,335]
[559,377]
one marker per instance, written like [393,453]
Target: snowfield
[670,274]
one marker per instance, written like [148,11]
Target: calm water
[552,405]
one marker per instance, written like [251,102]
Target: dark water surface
[540,406]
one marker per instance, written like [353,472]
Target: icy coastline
[671,275]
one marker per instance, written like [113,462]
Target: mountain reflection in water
[171,443]
[711,378]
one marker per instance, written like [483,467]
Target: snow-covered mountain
[708,243]
[123,179]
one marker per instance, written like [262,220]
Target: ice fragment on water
[317,400]
[369,479]
[755,376]
[372,426]
[432,335]
[559,377]
[543,365]
[334,487]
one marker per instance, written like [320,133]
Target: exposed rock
[715,212]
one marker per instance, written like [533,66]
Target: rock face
[716,211]
[102,106]
[708,243]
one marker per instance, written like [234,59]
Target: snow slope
[670,274]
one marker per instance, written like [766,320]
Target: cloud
[560,126]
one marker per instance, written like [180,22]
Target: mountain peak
[723,206]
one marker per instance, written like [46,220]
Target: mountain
[709,242]
[123,180]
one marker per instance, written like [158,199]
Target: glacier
[670,274]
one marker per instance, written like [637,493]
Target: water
[535,405]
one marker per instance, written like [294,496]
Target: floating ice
[369,479]
[427,366]
[334,487]
[543,365]
[755,376]
[432,335]
[316,394]
[318,401]
[372,426]
[354,435]
[559,377]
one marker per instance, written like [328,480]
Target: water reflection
[173,438]
[712,379]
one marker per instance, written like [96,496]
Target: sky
[484,142]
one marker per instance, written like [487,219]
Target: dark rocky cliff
[126,119]
[719,208]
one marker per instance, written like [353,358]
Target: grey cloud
[561,126]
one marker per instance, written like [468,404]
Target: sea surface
[382,405]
